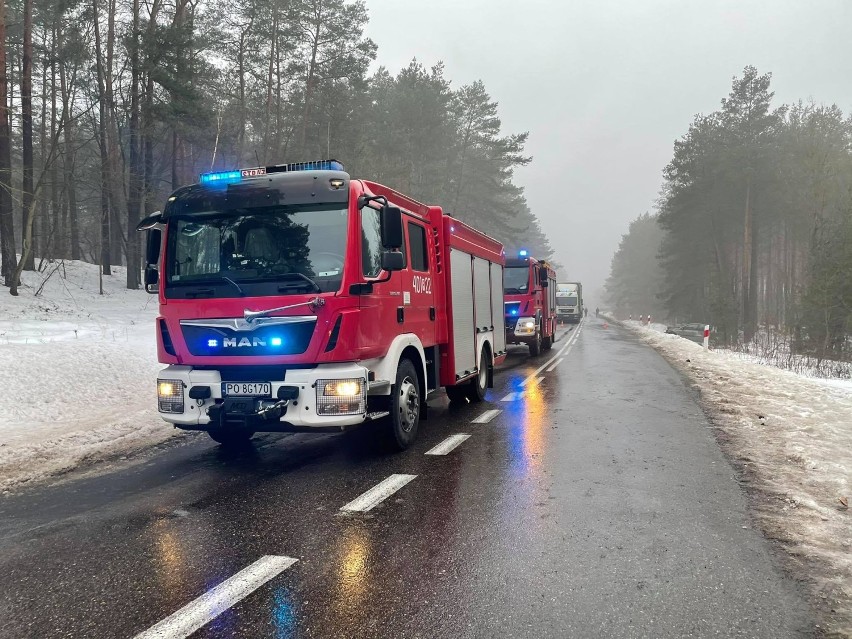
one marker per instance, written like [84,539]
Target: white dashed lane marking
[558,362]
[214,602]
[511,397]
[487,416]
[377,494]
[448,444]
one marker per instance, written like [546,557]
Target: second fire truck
[530,304]
[295,298]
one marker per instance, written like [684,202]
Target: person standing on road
[597,311]
[585,312]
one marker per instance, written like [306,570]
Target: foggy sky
[605,87]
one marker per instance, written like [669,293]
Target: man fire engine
[530,302]
[295,298]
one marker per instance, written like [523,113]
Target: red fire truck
[295,298]
[530,302]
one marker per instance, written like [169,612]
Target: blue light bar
[221,177]
[275,341]
[523,253]
[318,165]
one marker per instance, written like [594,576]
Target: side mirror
[391,231]
[393,261]
[150,222]
[152,279]
[152,246]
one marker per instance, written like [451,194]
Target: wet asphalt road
[596,504]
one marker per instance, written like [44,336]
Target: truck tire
[404,415]
[230,438]
[547,343]
[479,385]
[535,345]
[475,389]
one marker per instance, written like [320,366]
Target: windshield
[516,279]
[566,300]
[277,250]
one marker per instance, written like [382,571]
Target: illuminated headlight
[525,326]
[170,395]
[341,396]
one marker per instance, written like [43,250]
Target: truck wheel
[479,384]
[535,345]
[547,343]
[230,438]
[404,415]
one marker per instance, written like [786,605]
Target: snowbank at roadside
[77,371]
[792,437]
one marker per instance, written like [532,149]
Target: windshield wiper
[236,286]
[302,281]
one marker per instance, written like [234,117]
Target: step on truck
[530,302]
[296,298]
[569,302]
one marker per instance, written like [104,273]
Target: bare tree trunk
[241,62]
[69,158]
[8,260]
[55,236]
[27,123]
[309,83]
[268,119]
[106,259]
[134,196]
[746,265]
[116,174]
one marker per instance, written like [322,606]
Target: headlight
[525,326]
[341,396]
[342,388]
[170,395]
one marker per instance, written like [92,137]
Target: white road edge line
[448,444]
[487,416]
[377,494]
[214,602]
[558,362]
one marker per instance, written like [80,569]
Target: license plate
[247,389]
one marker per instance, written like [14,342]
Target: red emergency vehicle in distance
[530,302]
[293,297]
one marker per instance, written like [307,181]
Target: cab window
[417,247]
[371,243]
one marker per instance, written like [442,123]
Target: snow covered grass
[791,436]
[77,371]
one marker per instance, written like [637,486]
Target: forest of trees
[754,223]
[107,106]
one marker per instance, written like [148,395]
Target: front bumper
[296,409]
[521,331]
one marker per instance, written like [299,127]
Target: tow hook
[274,411]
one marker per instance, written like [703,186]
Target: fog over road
[588,500]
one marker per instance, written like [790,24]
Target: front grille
[265,340]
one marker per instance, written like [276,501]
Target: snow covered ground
[791,436]
[77,371]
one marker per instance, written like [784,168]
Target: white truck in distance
[569,302]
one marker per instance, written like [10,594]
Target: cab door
[381,297]
[418,286]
